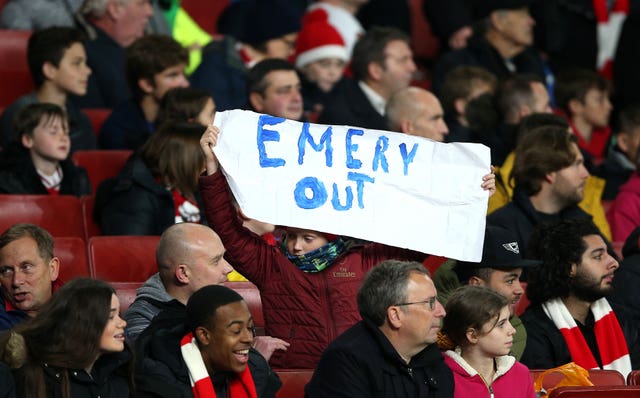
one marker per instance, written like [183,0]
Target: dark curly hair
[559,246]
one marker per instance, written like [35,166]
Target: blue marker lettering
[268,135]
[351,147]
[335,200]
[318,197]
[379,158]
[360,179]
[407,158]
[305,136]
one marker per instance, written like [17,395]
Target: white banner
[381,186]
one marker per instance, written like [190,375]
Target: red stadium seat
[91,227]
[633,378]
[432,263]
[126,292]
[251,296]
[72,253]
[293,382]
[100,164]
[205,13]
[61,215]
[597,376]
[123,258]
[596,392]
[97,116]
[15,78]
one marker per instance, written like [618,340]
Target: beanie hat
[486,7]
[318,40]
[269,19]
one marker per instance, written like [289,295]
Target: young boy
[58,65]
[38,161]
[583,96]
[155,64]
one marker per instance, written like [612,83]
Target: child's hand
[208,140]
[489,182]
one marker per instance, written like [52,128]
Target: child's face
[325,72]
[49,140]
[164,81]
[303,241]
[596,107]
[72,73]
[205,117]
[497,340]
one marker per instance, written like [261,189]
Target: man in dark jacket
[391,352]
[209,355]
[549,176]
[569,318]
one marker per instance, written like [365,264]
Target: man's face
[131,20]
[596,108]
[568,183]
[169,78]
[429,123]
[507,283]
[230,339]
[25,276]
[282,96]
[207,265]
[398,67]
[540,98]
[516,26]
[594,276]
[420,325]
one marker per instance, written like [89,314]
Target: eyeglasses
[430,301]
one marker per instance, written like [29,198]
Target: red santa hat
[318,40]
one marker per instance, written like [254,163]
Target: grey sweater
[143,309]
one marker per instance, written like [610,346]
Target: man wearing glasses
[391,352]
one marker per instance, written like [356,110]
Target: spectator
[341,15]
[503,44]
[309,265]
[627,277]
[225,62]
[28,274]
[624,213]
[500,270]
[415,111]
[111,26]
[274,89]
[568,292]
[38,162]
[549,177]
[157,187]
[583,98]
[478,324]
[382,63]
[321,57]
[187,104]
[462,85]
[155,64]
[58,65]
[391,351]
[620,162]
[75,347]
[209,355]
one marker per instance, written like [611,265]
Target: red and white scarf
[608,32]
[612,345]
[241,386]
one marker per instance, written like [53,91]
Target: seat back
[15,78]
[100,164]
[61,215]
[251,296]
[633,378]
[126,292]
[598,377]
[596,392]
[91,227]
[293,382]
[97,116]
[72,253]
[123,258]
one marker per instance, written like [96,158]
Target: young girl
[186,104]
[74,347]
[477,322]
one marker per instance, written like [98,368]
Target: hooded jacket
[151,298]
[624,214]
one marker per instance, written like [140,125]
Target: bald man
[416,111]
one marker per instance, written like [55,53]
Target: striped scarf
[241,386]
[319,259]
[611,342]
[608,32]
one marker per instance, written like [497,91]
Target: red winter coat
[624,214]
[308,310]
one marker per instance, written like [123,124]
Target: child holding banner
[308,285]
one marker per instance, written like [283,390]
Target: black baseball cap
[500,250]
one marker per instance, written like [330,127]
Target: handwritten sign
[382,186]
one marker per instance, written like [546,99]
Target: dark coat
[21,177]
[349,106]
[125,128]
[7,385]
[162,372]
[627,277]
[546,347]
[362,363]
[80,127]
[223,74]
